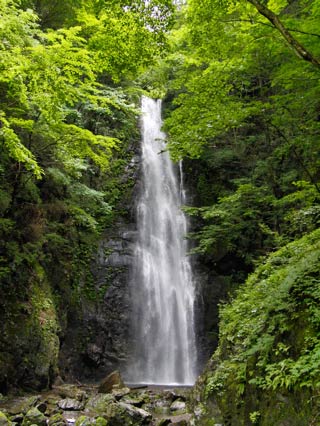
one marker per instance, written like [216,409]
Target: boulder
[70,404]
[139,415]
[122,414]
[174,394]
[34,417]
[120,393]
[160,406]
[90,421]
[163,422]
[178,405]
[83,421]
[98,404]
[181,420]
[113,380]
[136,400]
[70,391]
[4,421]
[57,420]
[22,405]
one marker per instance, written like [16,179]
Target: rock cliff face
[96,341]
[97,337]
[211,290]
[29,342]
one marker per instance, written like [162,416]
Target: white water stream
[162,287]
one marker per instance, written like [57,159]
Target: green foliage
[269,333]
[238,221]
[245,110]
[17,150]
[67,129]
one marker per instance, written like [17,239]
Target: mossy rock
[30,338]
[34,417]
[71,391]
[84,421]
[57,420]
[98,403]
[113,380]
[137,400]
[128,414]
[87,421]
[100,421]
[4,421]
[22,405]
[178,407]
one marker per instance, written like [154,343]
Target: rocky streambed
[79,405]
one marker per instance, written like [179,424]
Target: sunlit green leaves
[16,149]
[124,39]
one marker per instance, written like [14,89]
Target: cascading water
[162,287]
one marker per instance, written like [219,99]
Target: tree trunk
[300,50]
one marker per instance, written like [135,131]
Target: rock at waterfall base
[113,380]
[34,417]
[178,406]
[4,421]
[57,420]
[70,404]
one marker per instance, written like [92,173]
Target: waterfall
[162,287]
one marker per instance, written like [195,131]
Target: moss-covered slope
[266,370]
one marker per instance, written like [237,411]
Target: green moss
[4,421]
[57,420]
[87,421]
[30,343]
[34,417]
[100,421]
[44,323]
[83,421]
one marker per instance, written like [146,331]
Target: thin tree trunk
[300,50]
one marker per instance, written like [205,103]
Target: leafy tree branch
[300,50]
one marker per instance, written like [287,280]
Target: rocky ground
[104,405]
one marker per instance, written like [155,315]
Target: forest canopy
[241,94]
[68,111]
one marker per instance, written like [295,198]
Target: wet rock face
[212,289]
[112,273]
[96,341]
[29,342]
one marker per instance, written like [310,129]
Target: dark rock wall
[97,338]
[29,343]
[96,341]
[211,291]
